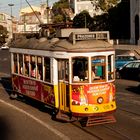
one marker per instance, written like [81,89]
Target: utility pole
[11,5]
[85,21]
[24,21]
[47,8]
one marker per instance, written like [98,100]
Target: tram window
[39,68]
[80,69]
[47,69]
[26,64]
[110,67]
[66,70]
[33,66]
[98,68]
[15,63]
[63,70]
[20,63]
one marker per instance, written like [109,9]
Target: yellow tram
[73,73]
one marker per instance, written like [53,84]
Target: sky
[20,4]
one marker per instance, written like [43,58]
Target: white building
[9,24]
[135,21]
[31,19]
[80,5]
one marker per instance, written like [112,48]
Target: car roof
[134,61]
[125,55]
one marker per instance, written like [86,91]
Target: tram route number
[91,36]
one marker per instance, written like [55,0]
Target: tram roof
[62,45]
[76,42]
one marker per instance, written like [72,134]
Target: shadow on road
[134,89]
[7,84]
[4,129]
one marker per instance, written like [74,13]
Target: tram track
[130,112]
[86,131]
[101,137]
[118,132]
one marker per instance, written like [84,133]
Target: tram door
[63,80]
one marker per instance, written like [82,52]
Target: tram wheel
[54,113]
[13,95]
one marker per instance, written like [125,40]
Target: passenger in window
[21,70]
[82,75]
[33,71]
[93,74]
[27,69]
[39,75]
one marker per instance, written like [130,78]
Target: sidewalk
[135,49]
[126,47]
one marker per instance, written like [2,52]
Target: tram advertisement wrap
[34,89]
[88,94]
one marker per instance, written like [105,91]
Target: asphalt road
[25,119]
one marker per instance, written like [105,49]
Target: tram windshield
[93,68]
[80,69]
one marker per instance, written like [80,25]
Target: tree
[59,16]
[83,20]
[115,20]
[104,5]
[3,34]
[119,21]
[101,22]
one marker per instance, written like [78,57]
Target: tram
[73,73]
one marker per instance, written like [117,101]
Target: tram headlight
[100,100]
[86,109]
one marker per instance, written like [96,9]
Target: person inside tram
[33,71]
[27,68]
[93,74]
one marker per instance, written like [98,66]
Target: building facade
[10,23]
[135,21]
[88,5]
[31,18]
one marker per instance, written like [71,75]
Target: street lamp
[11,5]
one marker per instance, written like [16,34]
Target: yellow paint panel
[93,108]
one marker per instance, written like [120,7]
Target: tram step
[65,117]
[90,121]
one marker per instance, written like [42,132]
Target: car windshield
[125,58]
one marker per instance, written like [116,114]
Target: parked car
[4,46]
[120,60]
[131,71]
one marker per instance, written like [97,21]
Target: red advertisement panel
[34,89]
[30,87]
[48,94]
[89,94]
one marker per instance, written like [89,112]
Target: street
[26,119]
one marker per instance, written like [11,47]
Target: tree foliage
[3,34]
[114,20]
[119,21]
[57,10]
[104,5]
[83,20]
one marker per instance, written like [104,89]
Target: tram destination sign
[104,35]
